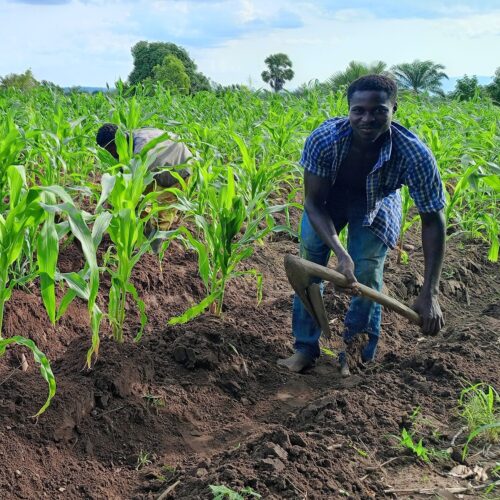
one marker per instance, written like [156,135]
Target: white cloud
[88,42]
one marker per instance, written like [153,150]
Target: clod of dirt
[271,464]
[196,351]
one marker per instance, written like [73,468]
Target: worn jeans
[368,253]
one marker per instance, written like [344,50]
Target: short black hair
[374,82]
[106,134]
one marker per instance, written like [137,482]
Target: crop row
[56,185]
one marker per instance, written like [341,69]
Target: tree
[22,81]
[148,55]
[466,88]
[493,88]
[280,70]
[420,76]
[355,70]
[172,74]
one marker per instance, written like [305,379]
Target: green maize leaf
[492,181]
[142,309]
[248,162]
[59,192]
[107,183]
[62,229]
[475,433]
[494,166]
[153,143]
[76,282]
[203,262]
[124,146]
[142,250]
[47,252]
[17,180]
[230,190]
[68,297]
[39,358]
[95,324]
[195,310]
[100,225]
[182,182]
[494,249]
[82,232]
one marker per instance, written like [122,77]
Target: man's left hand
[430,311]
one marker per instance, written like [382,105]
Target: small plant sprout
[328,352]
[479,405]
[406,440]
[154,401]
[221,492]
[143,459]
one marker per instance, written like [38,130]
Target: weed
[142,460]
[221,492]
[154,401]
[406,440]
[329,352]
[479,405]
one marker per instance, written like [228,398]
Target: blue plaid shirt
[404,159]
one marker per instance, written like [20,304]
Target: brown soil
[205,404]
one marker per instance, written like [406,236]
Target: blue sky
[87,42]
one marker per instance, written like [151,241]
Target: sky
[88,42]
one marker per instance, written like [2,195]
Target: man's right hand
[345,266]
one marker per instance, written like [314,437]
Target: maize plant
[24,212]
[130,211]
[225,237]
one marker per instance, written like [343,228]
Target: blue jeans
[368,253]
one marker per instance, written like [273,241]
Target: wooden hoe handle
[339,279]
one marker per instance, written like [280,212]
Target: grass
[143,459]
[221,492]
[479,405]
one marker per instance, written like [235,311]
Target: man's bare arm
[317,190]
[433,243]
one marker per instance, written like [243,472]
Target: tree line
[172,66]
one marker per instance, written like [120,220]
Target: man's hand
[430,311]
[345,266]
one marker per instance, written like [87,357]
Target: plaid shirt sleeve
[424,183]
[317,156]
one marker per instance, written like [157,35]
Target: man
[168,153]
[353,169]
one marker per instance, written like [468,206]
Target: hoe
[300,273]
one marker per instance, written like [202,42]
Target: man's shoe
[351,360]
[297,363]
[344,367]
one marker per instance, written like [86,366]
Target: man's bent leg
[364,315]
[304,327]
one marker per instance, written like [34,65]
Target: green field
[248,145]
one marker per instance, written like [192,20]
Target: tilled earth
[205,404]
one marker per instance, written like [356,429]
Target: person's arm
[317,190]
[433,243]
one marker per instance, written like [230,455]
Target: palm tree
[354,70]
[420,76]
[280,70]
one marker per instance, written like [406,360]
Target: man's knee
[369,272]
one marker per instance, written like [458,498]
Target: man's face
[370,114]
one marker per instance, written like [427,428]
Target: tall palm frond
[354,70]
[420,76]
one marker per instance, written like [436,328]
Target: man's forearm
[324,227]
[433,243]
